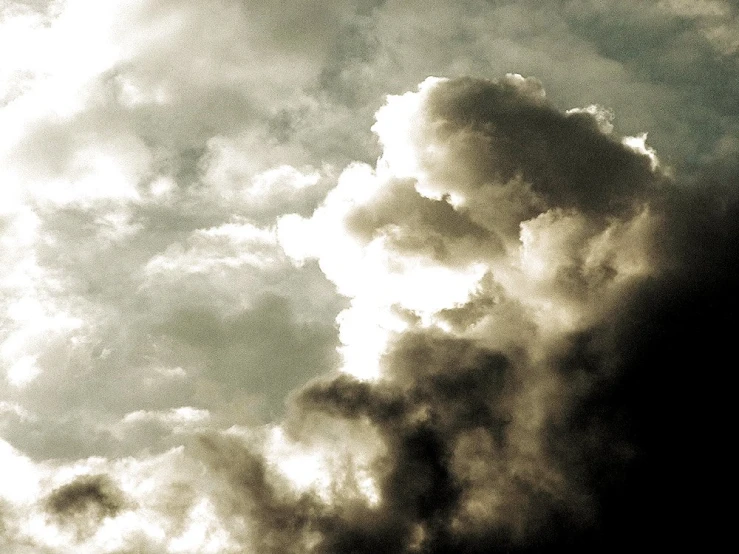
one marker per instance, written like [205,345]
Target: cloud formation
[493,438]
[85,502]
[249,303]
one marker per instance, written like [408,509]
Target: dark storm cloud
[612,442]
[94,494]
[85,502]
[651,394]
[451,446]
[464,467]
[448,389]
[497,133]
[451,387]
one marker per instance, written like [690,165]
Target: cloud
[85,502]
[500,439]
[267,307]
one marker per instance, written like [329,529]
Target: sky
[366,276]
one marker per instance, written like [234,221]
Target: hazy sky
[363,276]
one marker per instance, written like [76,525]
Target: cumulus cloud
[490,438]
[564,248]
[249,303]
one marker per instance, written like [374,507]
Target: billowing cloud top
[262,291]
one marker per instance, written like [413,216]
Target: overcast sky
[362,276]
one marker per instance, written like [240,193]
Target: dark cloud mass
[269,286]
[496,133]
[85,502]
[94,493]
[462,469]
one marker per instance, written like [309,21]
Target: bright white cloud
[24,486]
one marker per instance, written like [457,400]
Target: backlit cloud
[267,286]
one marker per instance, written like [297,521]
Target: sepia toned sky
[323,277]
